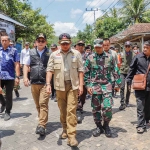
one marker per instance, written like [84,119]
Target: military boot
[98,131]
[107,129]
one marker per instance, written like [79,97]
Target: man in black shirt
[140,65]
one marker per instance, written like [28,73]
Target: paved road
[19,132]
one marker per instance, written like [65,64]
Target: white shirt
[24,56]
[28,60]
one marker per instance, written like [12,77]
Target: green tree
[136,11]
[35,22]
[87,34]
[107,27]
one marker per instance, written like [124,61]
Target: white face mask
[135,51]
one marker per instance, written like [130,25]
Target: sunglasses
[63,44]
[127,46]
[41,41]
[80,44]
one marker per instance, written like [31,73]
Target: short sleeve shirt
[8,58]
[24,56]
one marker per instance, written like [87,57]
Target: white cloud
[69,28]
[75,12]
[62,0]
[88,17]
[102,4]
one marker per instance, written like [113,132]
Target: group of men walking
[71,73]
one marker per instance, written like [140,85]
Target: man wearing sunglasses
[126,58]
[67,67]
[37,61]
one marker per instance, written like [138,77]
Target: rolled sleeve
[50,65]
[80,63]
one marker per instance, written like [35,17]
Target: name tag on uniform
[58,56]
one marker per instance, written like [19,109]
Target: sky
[69,16]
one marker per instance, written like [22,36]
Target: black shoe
[122,107]
[37,130]
[7,116]
[98,131]
[52,97]
[41,131]
[79,117]
[17,93]
[55,100]
[2,109]
[127,105]
[107,130]
[141,130]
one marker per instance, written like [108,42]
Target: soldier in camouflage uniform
[98,69]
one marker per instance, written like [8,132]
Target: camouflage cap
[98,42]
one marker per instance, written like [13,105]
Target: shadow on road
[20,99]
[50,127]
[17,115]
[115,110]
[116,130]
[4,133]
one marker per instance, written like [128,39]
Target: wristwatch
[48,84]
[17,77]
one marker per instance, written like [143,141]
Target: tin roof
[136,29]
[4,17]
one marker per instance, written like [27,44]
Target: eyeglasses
[41,41]
[127,46]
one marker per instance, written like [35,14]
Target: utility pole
[95,9]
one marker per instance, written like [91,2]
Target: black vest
[38,66]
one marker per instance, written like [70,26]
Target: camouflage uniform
[98,70]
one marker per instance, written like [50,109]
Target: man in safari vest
[67,66]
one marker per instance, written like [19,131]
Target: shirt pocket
[57,64]
[74,64]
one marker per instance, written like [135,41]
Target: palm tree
[136,11]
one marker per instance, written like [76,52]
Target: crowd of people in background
[71,74]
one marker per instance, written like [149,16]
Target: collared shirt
[8,58]
[40,52]
[24,56]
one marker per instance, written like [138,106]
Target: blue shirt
[8,58]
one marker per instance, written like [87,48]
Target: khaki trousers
[67,103]
[41,99]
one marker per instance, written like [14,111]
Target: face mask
[135,51]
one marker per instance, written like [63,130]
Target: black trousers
[52,85]
[9,85]
[143,107]
[122,89]
[81,99]
[29,76]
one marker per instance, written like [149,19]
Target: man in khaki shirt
[67,67]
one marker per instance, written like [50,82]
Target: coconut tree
[136,11]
